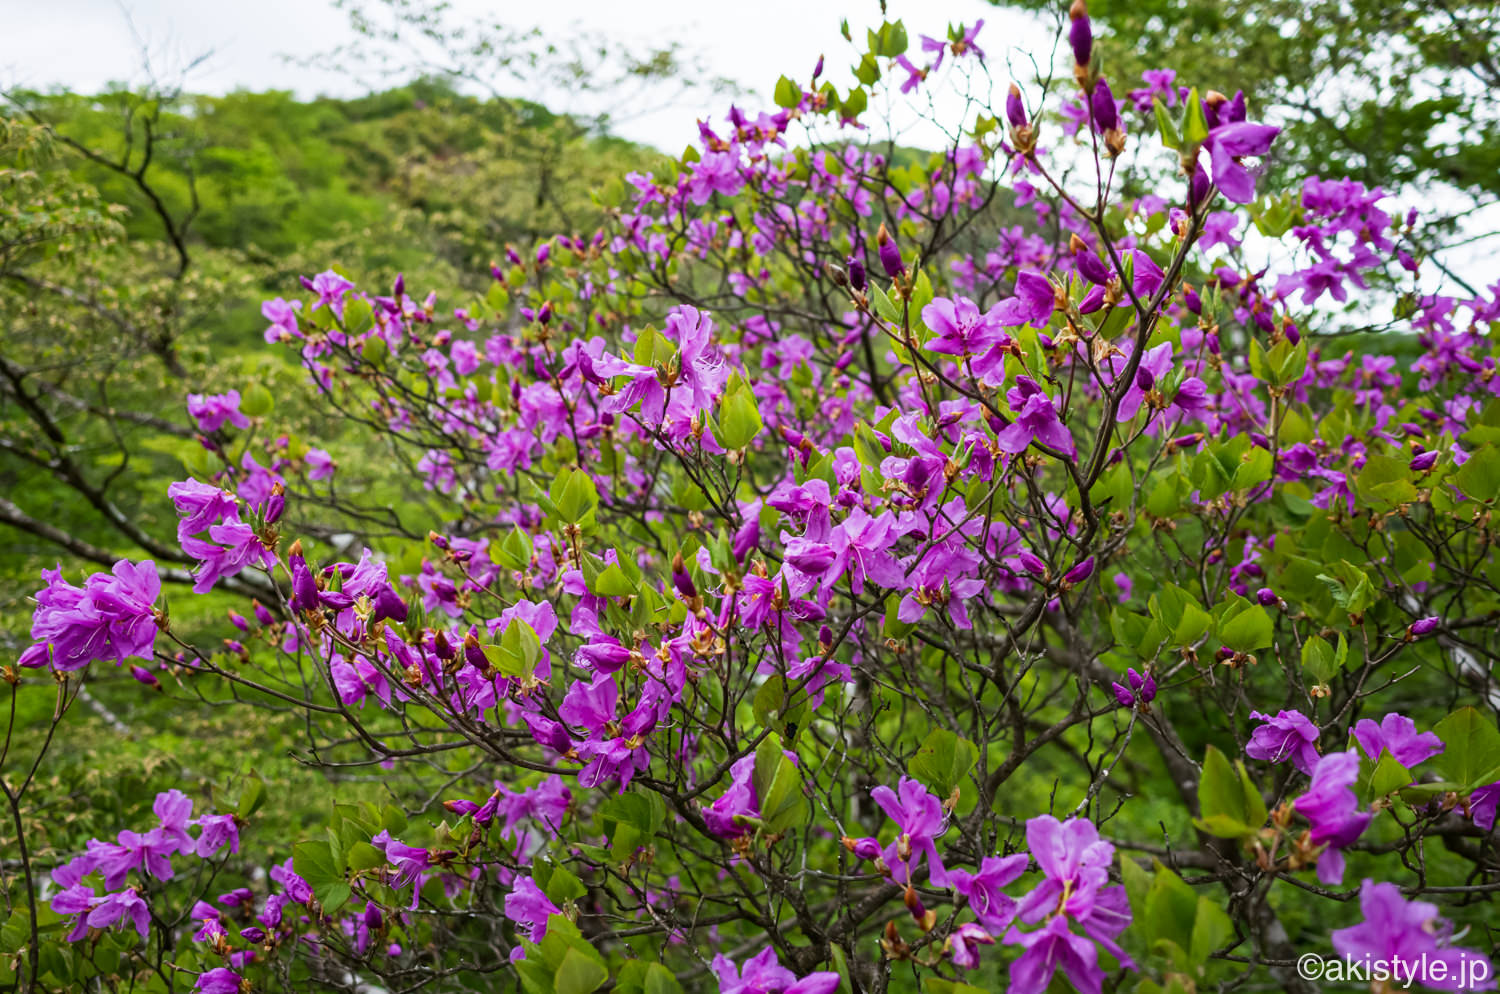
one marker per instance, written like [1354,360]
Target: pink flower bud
[889,252]
[1080,572]
[1081,33]
[1423,626]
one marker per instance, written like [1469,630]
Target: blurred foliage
[1389,93]
[139,232]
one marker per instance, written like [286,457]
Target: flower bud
[1192,301]
[1266,596]
[681,578]
[858,278]
[275,504]
[1123,695]
[1106,114]
[1015,110]
[1423,626]
[145,676]
[1423,461]
[304,587]
[1080,572]
[1144,379]
[238,620]
[1032,563]
[1081,33]
[388,604]
[544,315]
[1134,677]
[889,252]
[604,656]
[1147,692]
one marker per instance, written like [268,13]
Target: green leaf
[1180,613]
[660,980]
[778,784]
[252,796]
[574,495]
[1194,123]
[883,305]
[256,401]
[1388,776]
[1165,126]
[1228,799]
[868,70]
[854,104]
[1471,748]
[937,985]
[1479,476]
[943,761]
[1245,627]
[890,40]
[739,419]
[1317,660]
[579,974]
[1212,930]
[612,582]
[788,93]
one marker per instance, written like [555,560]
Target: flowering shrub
[851,569]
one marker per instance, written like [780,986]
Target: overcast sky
[86,44]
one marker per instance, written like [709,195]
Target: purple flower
[219,980]
[764,974]
[212,410]
[1226,145]
[1075,865]
[920,820]
[1036,421]
[1032,303]
[529,908]
[175,810]
[1289,735]
[1396,930]
[1333,809]
[411,864]
[330,288]
[215,832]
[962,944]
[724,815]
[115,909]
[319,464]
[1399,735]
[961,329]
[1483,803]
[1049,949]
[109,618]
[994,909]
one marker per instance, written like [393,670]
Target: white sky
[85,44]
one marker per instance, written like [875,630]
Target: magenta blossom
[1398,734]
[1229,143]
[920,820]
[1333,809]
[764,974]
[1289,735]
[1397,931]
